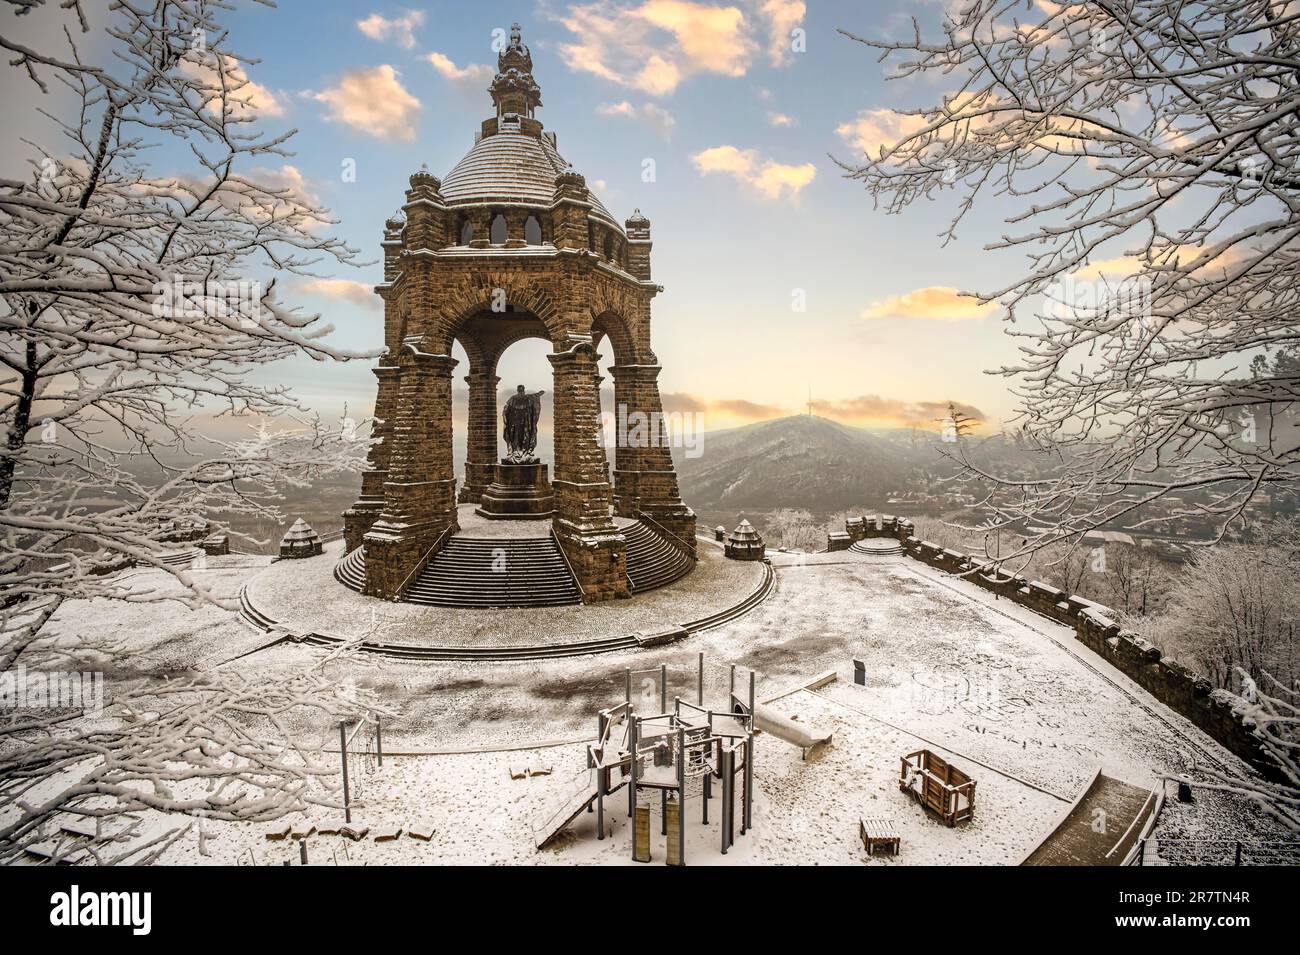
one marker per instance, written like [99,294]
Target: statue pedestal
[520,492]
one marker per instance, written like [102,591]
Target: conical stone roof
[300,533]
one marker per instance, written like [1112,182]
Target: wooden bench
[878,832]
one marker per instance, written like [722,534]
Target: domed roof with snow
[513,160]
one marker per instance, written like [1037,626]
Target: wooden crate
[940,787]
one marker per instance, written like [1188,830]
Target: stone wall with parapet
[1219,713]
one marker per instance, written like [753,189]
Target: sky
[740,105]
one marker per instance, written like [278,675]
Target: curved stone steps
[500,654]
[180,558]
[871,549]
[652,561]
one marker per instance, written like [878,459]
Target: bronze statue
[520,416]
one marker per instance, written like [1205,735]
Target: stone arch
[464,230]
[499,230]
[609,324]
[461,303]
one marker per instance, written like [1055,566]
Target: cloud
[244,98]
[934,302]
[768,178]
[349,290]
[283,195]
[401,29]
[657,44]
[658,119]
[781,120]
[682,402]
[473,75]
[373,101]
[875,130]
[782,17]
[741,408]
[892,411]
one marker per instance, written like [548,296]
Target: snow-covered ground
[1006,695]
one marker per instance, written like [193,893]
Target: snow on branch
[140,307]
[1152,185]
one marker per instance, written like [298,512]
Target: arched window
[499,231]
[466,231]
[591,236]
[609,247]
[533,231]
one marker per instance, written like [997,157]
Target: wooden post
[627,685]
[676,849]
[631,786]
[663,688]
[379,742]
[343,751]
[704,800]
[747,822]
[699,682]
[600,802]
[641,835]
[302,851]
[681,796]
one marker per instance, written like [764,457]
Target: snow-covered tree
[1232,609]
[139,253]
[1144,156]
[133,311]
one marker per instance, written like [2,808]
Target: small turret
[513,89]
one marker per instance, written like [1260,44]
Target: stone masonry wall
[1219,713]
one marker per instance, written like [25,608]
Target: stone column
[582,521]
[481,434]
[645,480]
[358,519]
[419,495]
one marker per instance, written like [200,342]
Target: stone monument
[521,489]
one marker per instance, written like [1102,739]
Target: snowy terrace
[1006,695]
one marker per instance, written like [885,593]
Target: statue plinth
[520,492]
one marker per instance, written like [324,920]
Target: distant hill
[801,461]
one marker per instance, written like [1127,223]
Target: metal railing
[565,557]
[1216,852]
[422,563]
[664,532]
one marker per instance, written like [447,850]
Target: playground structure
[680,751]
[938,786]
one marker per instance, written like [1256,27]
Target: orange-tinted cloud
[768,178]
[934,302]
[349,290]
[874,409]
[373,101]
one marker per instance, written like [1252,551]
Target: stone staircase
[483,572]
[652,561]
[180,558]
[878,547]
